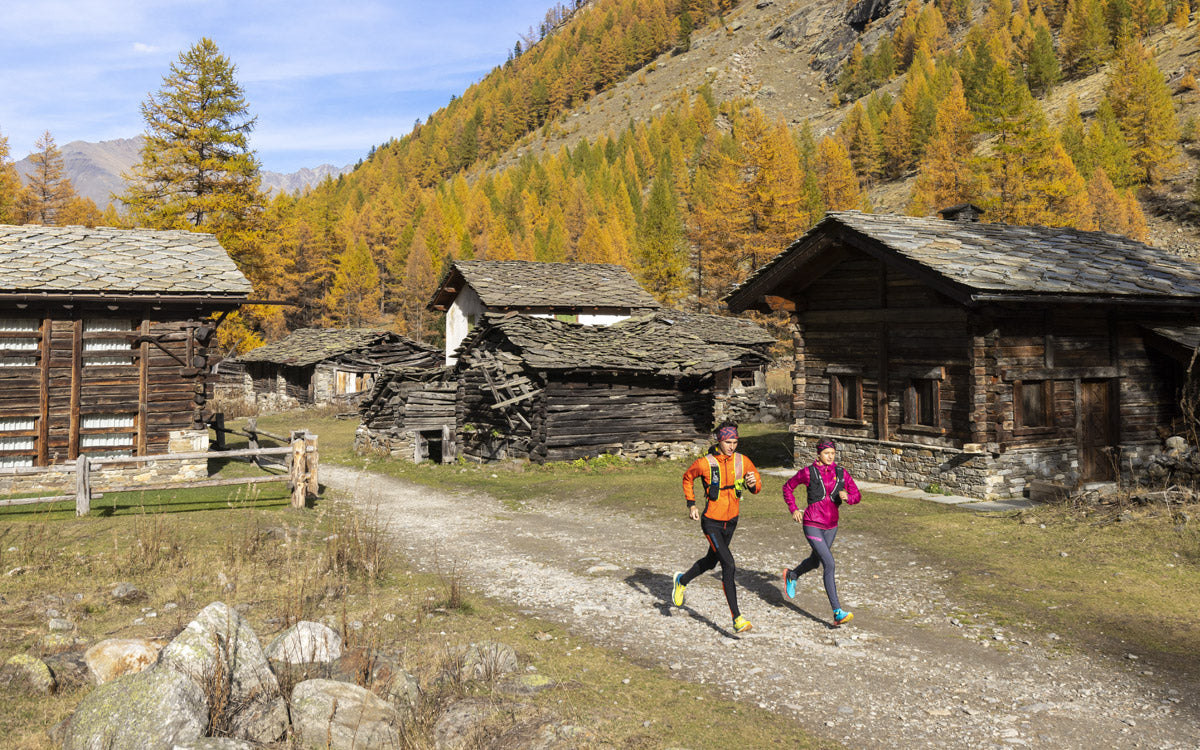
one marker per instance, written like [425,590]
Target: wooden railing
[301,460]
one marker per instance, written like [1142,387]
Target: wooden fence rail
[302,459]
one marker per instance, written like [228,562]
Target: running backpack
[714,477]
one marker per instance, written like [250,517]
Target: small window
[1032,401]
[566,318]
[17,437]
[107,434]
[923,402]
[845,392]
[19,342]
[106,351]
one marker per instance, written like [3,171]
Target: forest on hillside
[695,197]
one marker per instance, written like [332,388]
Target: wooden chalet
[740,393]
[104,337]
[550,390]
[977,356]
[584,293]
[320,366]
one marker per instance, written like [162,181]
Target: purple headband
[725,433]
[826,443]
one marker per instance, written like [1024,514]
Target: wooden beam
[76,387]
[143,389]
[43,426]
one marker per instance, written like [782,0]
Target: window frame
[1046,385]
[846,380]
[923,385]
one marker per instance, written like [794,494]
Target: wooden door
[1097,433]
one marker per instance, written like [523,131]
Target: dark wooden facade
[977,375]
[112,363]
[550,391]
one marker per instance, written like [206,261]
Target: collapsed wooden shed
[978,356]
[549,390]
[104,337]
[319,366]
[410,412]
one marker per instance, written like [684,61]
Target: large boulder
[306,643]
[157,708]
[220,651]
[27,674]
[341,716]
[112,658]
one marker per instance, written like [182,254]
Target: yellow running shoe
[841,617]
[741,624]
[677,591]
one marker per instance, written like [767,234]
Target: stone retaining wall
[57,479]
[988,474]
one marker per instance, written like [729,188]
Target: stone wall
[987,474]
[397,444]
[60,478]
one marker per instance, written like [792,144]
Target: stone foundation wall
[57,479]
[397,444]
[987,475]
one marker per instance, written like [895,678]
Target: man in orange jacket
[725,474]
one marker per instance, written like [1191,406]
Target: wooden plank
[76,383]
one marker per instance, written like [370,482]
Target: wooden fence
[301,460]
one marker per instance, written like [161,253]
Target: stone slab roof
[549,344]
[514,284]
[980,261]
[121,261]
[308,346]
[714,329]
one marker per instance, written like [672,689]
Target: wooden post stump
[297,482]
[312,456]
[83,486]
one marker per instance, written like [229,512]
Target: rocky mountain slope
[95,169]
[785,56]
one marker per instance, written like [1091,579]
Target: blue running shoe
[789,583]
[841,617]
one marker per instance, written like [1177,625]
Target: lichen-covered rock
[219,649]
[341,716]
[215,743]
[27,674]
[112,658]
[157,708]
[70,670]
[125,592]
[306,643]
[459,723]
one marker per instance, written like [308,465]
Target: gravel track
[915,669]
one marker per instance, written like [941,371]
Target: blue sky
[327,80]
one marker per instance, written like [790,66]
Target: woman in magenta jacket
[833,486]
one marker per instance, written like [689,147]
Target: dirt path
[914,669]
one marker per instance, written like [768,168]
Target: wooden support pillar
[449,447]
[76,387]
[296,480]
[799,374]
[83,486]
[312,459]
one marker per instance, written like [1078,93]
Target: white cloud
[142,48]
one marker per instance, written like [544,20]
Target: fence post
[218,425]
[83,488]
[252,436]
[312,458]
[449,449]
[297,482]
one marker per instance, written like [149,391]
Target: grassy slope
[185,549]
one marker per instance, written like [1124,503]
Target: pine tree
[661,258]
[10,186]
[1144,110]
[840,189]
[945,178]
[1085,36]
[1104,146]
[197,169]
[49,191]
[354,299]
[1042,71]
[862,141]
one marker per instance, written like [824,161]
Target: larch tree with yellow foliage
[840,188]
[946,178]
[355,298]
[1144,110]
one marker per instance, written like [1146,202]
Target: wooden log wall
[98,381]
[590,414]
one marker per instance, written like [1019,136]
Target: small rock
[306,643]
[126,592]
[70,670]
[59,625]
[109,659]
[338,715]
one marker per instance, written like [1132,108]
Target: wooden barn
[741,393]
[584,293]
[977,356]
[410,412]
[550,390]
[104,337]
[319,366]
